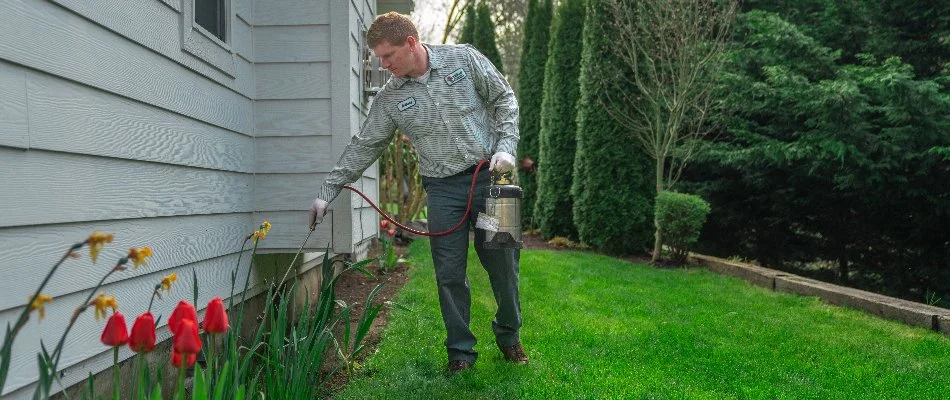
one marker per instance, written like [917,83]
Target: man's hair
[391,27]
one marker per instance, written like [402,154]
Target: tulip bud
[391,232]
[184,310]
[384,224]
[216,319]
[142,338]
[115,333]
[186,340]
[177,359]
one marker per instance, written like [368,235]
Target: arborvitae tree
[485,36]
[554,205]
[479,31]
[614,184]
[530,94]
[468,27]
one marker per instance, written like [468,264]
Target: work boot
[456,366]
[514,354]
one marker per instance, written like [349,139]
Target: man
[457,110]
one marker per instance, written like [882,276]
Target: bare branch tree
[456,12]
[672,51]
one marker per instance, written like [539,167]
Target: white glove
[502,162]
[317,211]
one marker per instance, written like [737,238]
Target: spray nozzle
[504,178]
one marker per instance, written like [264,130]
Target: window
[210,15]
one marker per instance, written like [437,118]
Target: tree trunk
[843,271]
[658,243]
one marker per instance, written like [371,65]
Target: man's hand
[317,211]
[502,162]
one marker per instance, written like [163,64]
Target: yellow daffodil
[265,227]
[139,256]
[96,241]
[40,304]
[101,302]
[167,282]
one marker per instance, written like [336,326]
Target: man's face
[397,59]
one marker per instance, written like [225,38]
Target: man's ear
[412,42]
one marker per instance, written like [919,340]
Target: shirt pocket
[414,122]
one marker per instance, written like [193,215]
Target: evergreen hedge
[468,27]
[478,30]
[485,36]
[553,207]
[530,93]
[613,186]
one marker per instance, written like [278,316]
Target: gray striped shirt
[463,114]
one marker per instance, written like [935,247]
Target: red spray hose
[468,208]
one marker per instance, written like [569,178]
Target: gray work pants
[447,201]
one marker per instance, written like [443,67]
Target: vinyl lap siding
[107,123]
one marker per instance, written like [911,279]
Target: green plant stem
[240,255]
[150,301]
[180,387]
[211,359]
[57,352]
[25,316]
[292,262]
[247,281]
[82,307]
[115,372]
[138,388]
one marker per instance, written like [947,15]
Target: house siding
[122,118]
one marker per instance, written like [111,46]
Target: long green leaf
[90,388]
[157,392]
[222,381]
[199,390]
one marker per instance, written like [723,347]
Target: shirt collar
[435,62]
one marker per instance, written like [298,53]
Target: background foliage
[613,184]
[530,95]
[829,152]
[558,122]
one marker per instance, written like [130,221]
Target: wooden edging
[908,312]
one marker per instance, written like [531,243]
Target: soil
[355,287]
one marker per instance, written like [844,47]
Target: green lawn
[599,328]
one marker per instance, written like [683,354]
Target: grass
[600,328]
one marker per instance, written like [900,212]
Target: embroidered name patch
[454,77]
[403,105]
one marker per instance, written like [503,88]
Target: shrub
[552,209]
[534,54]
[681,217]
[614,181]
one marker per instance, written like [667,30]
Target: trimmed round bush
[681,217]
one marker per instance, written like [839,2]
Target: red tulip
[391,232]
[115,333]
[142,338]
[384,224]
[184,310]
[177,358]
[216,319]
[186,340]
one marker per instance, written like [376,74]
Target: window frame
[199,42]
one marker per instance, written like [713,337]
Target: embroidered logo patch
[454,77]
[403,105]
